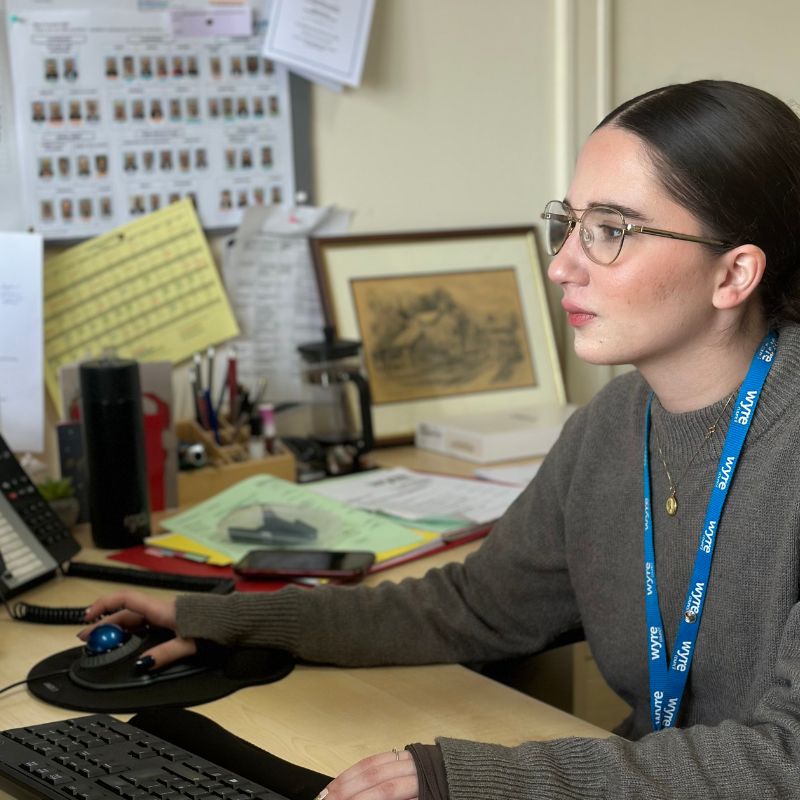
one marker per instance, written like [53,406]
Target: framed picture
[451,322]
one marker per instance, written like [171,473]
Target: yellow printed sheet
[149,290]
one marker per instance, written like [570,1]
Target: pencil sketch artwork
[443,334]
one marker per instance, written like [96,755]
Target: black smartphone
[349,565]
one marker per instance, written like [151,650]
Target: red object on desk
[446,542]
[154,426]
[141,556]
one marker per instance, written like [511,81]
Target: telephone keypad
[33,539]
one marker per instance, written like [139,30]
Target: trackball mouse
[108,661]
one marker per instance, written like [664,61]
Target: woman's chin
[595,350]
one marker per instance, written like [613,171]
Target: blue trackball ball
[104,638]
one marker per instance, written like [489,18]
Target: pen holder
[231,448]
[230,466]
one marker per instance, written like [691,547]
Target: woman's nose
[567,266]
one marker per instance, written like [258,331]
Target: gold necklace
[672,501]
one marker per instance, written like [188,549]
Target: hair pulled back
[730,154]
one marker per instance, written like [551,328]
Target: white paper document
[514,474]
[321,40]
[21,341]
[421,497]
[269,277]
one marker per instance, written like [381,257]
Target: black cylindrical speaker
[113,431]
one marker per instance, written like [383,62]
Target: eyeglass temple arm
[631,228]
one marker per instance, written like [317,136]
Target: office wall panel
[453,123]
[657,43]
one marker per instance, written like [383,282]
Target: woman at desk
[678,250]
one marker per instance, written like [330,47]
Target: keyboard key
[144,777]
[90,771]
[114,783]
[141,754]
[186,772]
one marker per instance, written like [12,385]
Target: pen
[210,353]
[225,384]
[233,387]
[260,392]
[195,395]
[266,412]
[212,416]
[197,365]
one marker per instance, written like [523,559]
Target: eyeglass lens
[601,230]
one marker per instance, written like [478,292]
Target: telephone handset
[33,539]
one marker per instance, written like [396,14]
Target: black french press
[340,399]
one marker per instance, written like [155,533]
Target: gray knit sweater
[570,552]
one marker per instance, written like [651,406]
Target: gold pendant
[672,505]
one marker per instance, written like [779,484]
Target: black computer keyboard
[99,758]
[141,577]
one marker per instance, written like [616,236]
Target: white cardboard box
[502,436]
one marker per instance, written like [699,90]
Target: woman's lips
[576,316]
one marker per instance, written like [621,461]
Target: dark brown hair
[730,154]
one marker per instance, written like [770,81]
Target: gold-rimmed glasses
[601,230]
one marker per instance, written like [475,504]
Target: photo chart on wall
[117,116]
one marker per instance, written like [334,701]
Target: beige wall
[681,40]
[451,125]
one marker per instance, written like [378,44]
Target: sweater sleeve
[464,612]
[759,758]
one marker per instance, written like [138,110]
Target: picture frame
[452,322]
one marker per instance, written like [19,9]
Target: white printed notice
[271,284]
[117,118]
[321,40]
[21,341]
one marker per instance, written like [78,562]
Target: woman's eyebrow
[630,214]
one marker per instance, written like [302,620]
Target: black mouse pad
[230,669]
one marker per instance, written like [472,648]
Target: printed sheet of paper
[149,290]
[321,40]
[116,118]
[338,526]
[434,502]
[515,474]
[21,390]
[270,279]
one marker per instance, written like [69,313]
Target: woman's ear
[740,272]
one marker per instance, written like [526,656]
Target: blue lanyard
[667,682]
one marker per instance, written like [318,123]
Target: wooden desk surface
[322,717]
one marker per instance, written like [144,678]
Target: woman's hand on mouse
[131,609]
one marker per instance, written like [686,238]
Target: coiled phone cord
[26,612]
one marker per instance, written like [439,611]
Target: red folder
[143,556]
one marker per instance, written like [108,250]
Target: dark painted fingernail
[143,664]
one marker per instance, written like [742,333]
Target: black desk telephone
[34,543]
[33,539]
